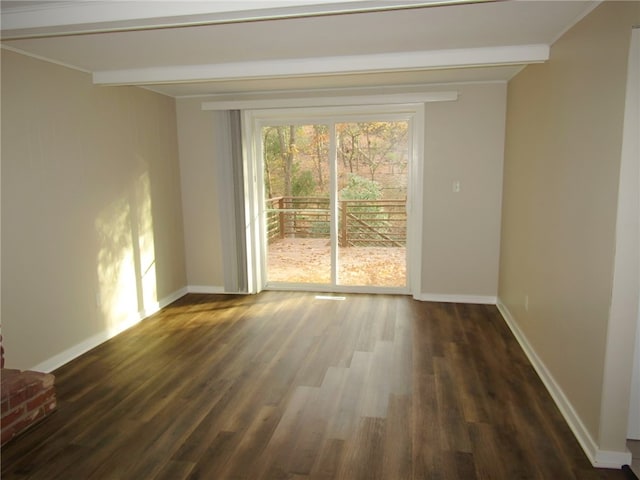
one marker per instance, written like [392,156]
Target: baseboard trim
[84,346]
[437,297]
[597,457]
[169,299]
[205,289]
[609,459]
[70,353]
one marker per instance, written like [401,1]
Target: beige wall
[91,210]
[562,160]
[199,195]
[464,140]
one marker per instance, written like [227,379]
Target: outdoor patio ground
[308,260]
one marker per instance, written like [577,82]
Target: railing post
[281,216]
[343,225]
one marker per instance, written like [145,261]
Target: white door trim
[337,100]
[253,122]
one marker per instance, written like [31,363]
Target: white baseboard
[70,353]
[163,302]
[608,459]
[597,457]
[438,297]
[78,349]
[169,299]
[205,289]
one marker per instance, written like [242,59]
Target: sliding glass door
[334,201]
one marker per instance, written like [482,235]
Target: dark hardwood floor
[284,386]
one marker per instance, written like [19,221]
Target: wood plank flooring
[285,386]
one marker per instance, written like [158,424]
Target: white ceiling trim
[314,100]
[80,17]
[438,59]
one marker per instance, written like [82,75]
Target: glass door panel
[297,203]
[372,162]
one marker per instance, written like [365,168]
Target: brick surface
[12,381]
[13,416]
[27,397]
[7,434]
[50,407]
[24,423]
[41,399]
[17,398]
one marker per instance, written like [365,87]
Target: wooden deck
[286,386]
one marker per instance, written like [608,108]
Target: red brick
[27,422]
[33,389]
[50,406]
[27,397]
[12,381]
[39,400]
[13,416]
[9,372]
[7,434]
[45,380]
[18,397]
[31,417]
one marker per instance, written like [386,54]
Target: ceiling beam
[400,61]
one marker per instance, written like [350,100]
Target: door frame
[254,120]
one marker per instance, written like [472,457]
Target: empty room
[320,239]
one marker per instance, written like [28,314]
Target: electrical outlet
[526,303]
[456,186]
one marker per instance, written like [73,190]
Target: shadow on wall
[126,264]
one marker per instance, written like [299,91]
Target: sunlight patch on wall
[116,267]
[146,247]
[126,258]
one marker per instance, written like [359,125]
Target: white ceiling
[222,47]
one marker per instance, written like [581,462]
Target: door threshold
[329,289]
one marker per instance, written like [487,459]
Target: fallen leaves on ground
[308,260]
